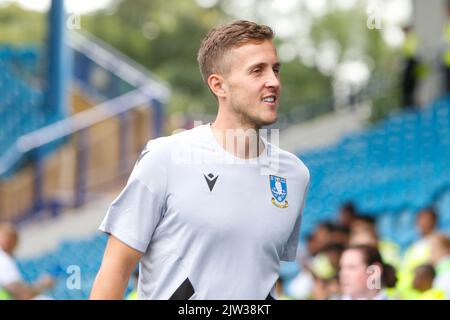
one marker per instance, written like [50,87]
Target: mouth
[270,100]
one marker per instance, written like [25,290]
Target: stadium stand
[116,107]
[56,161]
[22,108]
[85,254]
[390,171]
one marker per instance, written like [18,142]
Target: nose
[273,80]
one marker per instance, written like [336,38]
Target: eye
[257,70]
[276,70]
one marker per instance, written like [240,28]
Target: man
[411,64]
[347,214]
[362,274]
[206,218]
[11,282]
[423,284]
[419,252]
[445,62]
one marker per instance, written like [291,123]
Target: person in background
[333,252]
[347,214]
[340,234]
[446,53]
[364,231]
[427,221]
[411,65]
[363,223]
[312,246]
[324,268]
[440,258]
[316,280]
[390,251]
[419,252]
[325,289]
[423,284]
[323,233]
[363,275]
[10,277]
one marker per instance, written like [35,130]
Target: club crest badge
[278,187]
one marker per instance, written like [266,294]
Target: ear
[216,85]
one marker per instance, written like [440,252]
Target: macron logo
[210,180]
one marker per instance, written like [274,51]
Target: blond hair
[221,39]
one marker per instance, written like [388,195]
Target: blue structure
[100,72]
[58,61]
[85,254]
[396,167]
[25,108]
[20,100]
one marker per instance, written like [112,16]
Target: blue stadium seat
[22,108]
[399,164]
[85,253]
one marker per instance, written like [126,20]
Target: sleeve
[290,251]
[134,214]
[9,271]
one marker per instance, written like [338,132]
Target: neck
[427,233]
[229,120]
[236,137]
[6,250]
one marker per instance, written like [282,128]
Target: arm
[118,263]
[23,291]
[11,280]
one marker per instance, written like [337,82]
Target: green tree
[164,37]
[19,26]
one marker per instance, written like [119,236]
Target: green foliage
[306,89]
[176,29]
[19,26]
[164,36]
[349,29]
[384,85]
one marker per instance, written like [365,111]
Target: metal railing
[116,111]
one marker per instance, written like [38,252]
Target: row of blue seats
[22,103]
[400,163]
[72,257]
[26,58]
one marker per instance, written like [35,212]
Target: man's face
[322,235]
[252,83]
[346,217]
[425,222]
[353,274]
[422,281]
[8,241]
